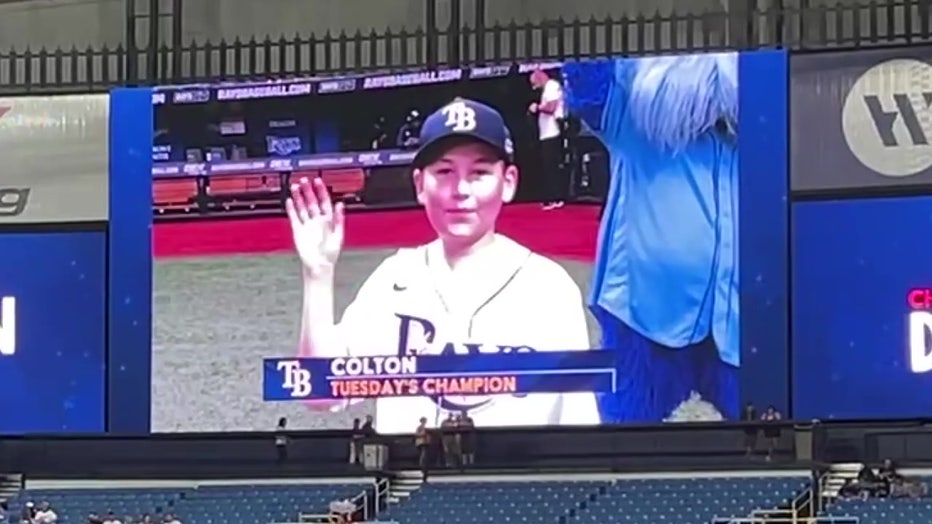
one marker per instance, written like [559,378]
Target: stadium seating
[690,501]
[471,502]
[883,511]
[206,504]
[683,501]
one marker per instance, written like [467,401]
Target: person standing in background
[281,440]
[467,438]
[422,444]
[749,417]
[448,436]
[550,113]
[771,430]
[368,427]
[355,450]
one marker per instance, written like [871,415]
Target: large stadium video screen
[521,244]
[862,296]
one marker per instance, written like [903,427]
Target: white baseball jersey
[501,299]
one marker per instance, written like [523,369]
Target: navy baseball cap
[463,119]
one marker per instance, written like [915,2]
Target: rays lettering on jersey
[418,335]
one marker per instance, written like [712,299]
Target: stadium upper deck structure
[674,473]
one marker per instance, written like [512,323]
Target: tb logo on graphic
[460,117]
[887,118]
[295,378]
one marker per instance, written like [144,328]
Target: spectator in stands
[851,489]
[29,513]
[889,477]
[111,518]
[94,518]
[281,440]
[887,469]
[342,510]
[369,436]
[170,518]
[368,428]
[448,434]
[749,417]
[868,482]
[898,485]
[771,419]
[467,436]
[355,450]
[45,514]
[422,444]
[146,519]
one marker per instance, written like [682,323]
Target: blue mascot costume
[665,285]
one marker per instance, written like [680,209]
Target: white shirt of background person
[549,123]
[46,516]
[112,519]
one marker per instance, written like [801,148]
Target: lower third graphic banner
[464,375]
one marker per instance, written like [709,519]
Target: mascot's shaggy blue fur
[665,281]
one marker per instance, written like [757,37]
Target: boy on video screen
[470,291]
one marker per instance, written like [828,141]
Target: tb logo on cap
[460,117]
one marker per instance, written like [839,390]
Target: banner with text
[410,376]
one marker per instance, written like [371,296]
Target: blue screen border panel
[857,264]
[57,282]
[129,285]
[763,215]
